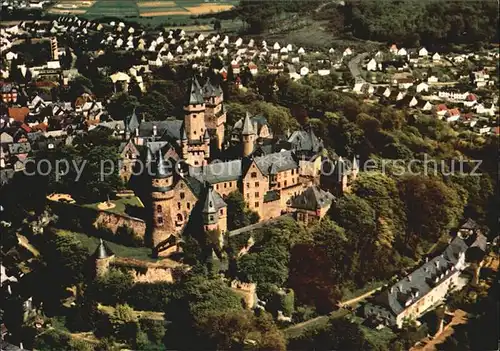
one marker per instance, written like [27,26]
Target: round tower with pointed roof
[161,195]
[248,136]
[103,256]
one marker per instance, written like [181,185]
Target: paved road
[355,66]
[297,328]
[257,225]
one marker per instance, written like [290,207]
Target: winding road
[354,66]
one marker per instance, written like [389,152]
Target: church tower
[215,115]
[248,136]
[162,194]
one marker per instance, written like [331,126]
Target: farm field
[141,10]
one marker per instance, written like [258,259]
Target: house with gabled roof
[427,286]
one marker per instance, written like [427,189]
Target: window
[179,205]
[182,195]
[221,212]
[285,183]
[217,186]
[254,175]
[293,171]
[160,220]
[248,185]
[256,194]
[248,196]
[256,204]
[225,185]
[182,185]
[194,132]
[256,184]
[188,205]
[196,163]
[211,217]
[158,208]
[279,185]
[179,217]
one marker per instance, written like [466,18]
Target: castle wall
[247,291]
[153,275]
[113,221]
[271,209]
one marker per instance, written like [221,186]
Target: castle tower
[194,112]
[248,136]
[132,126]
[54,50]
[210,215]
[214,214]
[215,115]
[354,169]
[103,257]
[161,195]
[340,177]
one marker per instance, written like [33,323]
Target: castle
[188,185]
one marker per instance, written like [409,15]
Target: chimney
[155,130]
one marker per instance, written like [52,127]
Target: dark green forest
[411,23]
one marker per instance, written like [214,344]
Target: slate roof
[162,169]
[209,203]
[218,172]
[469,224]
[247,126]
[278,161]
[133,122]
[210,90]
[302,140]
[422,280]
[312,199]
[256,122]
[170,128]
[194,95]
[102,250]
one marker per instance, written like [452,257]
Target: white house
[453,95]
[238,42]
[301,51]
[432,79]
[423,52]
[323,71]
[452,115]
[11,56]
[402,52]
[371,65]
[304,71]
[436,57]
[422,86]
[347,52]
[276,46]
[425,287]
[485,109]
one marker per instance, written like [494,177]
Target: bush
[304,313]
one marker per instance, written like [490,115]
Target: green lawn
[91,243]
[113,8]
[120,204]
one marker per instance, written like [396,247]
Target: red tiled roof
[471,97]
[41,126]
[26,127]
[454,112]
[442,107]
[18,113]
